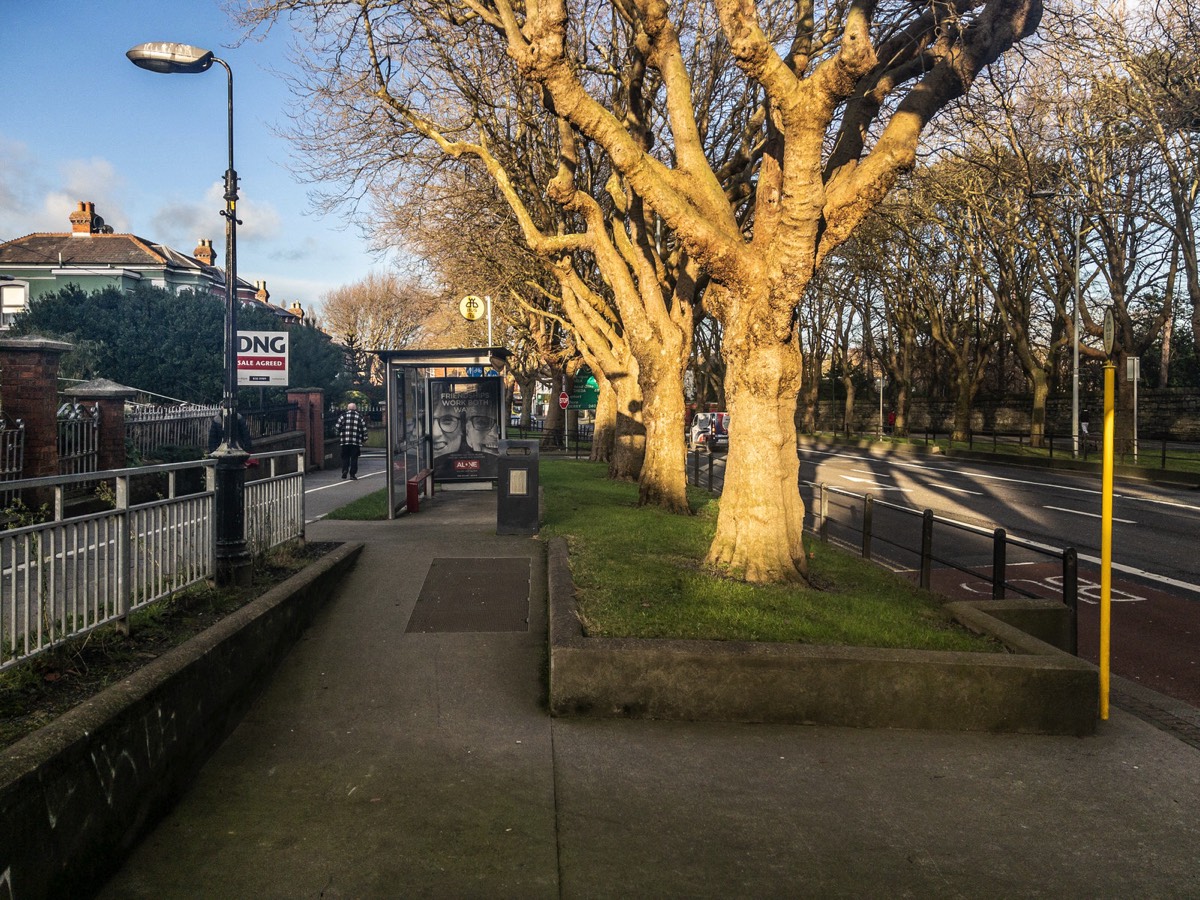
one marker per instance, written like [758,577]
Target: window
[12,302]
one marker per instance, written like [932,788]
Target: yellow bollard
[1106,517]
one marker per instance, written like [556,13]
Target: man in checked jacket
[352,433]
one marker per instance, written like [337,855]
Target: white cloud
[180,224]
[32,201]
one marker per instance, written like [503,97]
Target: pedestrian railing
[916,539]
[65,577]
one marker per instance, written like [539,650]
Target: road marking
[341,482]
[1055,551]
[1080,512]
[876,484]
[947,487]
[872,474]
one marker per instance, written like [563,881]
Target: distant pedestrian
[352,433]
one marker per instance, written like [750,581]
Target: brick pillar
[29,392]
[309,417]
[110,397]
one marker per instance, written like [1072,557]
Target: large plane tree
[844,89]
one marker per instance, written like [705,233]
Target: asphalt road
[1156,568]
[1156,572]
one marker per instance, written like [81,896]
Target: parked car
[709,431]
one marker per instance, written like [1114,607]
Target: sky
[78,121]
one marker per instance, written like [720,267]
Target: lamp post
[233,561]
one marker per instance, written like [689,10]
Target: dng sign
[262,358]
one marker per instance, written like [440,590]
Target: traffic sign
[471,307]
[563,400]
[585,392]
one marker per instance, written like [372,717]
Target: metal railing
[66,577]
[151,427]
[915,539]
[577,440]
[12,456]
[78,438]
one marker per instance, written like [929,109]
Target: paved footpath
[381,763]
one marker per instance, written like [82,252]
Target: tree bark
[604,433]
[1037,420]
[761,520]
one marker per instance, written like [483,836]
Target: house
[93,257]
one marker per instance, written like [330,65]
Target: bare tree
[380,312]
[846,88]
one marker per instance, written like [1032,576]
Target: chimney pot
[83,220]
[204,252]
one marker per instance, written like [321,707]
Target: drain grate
[461,595]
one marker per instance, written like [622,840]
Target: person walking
[352,433]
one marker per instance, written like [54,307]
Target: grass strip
[640,573]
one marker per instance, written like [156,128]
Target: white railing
[64,578]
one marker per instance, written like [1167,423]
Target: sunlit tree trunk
[761,519]
[604,433]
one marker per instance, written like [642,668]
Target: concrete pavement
[384,763]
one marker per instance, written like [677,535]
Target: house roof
[125,250]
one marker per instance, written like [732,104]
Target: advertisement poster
[465,428]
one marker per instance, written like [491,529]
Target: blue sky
[78,121]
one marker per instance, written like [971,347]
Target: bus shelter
[444,420]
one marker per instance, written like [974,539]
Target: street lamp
[1078,233]
[233,561]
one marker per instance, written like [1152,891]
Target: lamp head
[170,58]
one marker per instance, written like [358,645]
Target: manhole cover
[473,595]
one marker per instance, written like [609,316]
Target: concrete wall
[77,795]
[1035,688]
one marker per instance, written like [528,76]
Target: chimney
[204,252]
[83,220]
[263,295]
[296,309]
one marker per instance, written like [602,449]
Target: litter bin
[517,480]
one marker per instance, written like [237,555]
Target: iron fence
[66,577]
[149,428]
[12,456]
[78,438]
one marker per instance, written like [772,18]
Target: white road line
[872,474]
[1080,512]
[958,490]
[341,482]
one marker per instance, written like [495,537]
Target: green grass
[369,508]
[639,573]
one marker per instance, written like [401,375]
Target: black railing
[983,554]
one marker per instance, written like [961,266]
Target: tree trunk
[963,394]
[848,404]
[1037,421]
[629,446]
[528,399]
[761,518]
[605,432]
[554,429]
[663,481]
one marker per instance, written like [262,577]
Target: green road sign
[585,392]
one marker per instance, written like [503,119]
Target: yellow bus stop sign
[471,307]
